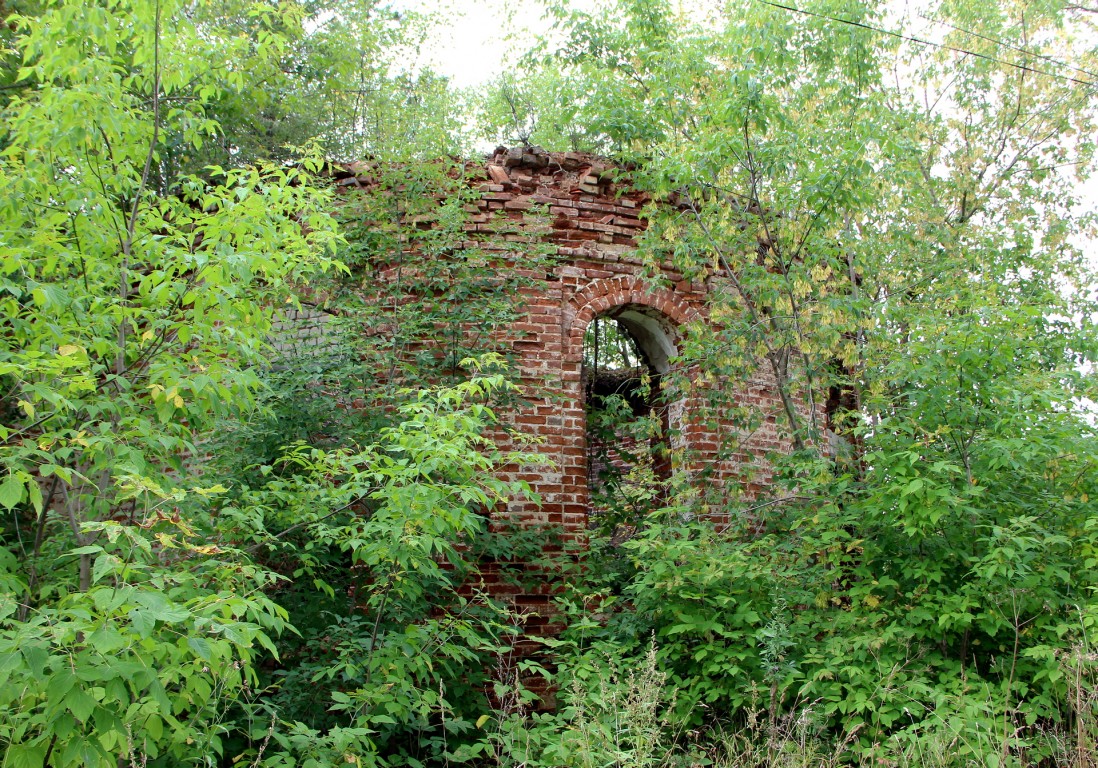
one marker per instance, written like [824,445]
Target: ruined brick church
[572,203]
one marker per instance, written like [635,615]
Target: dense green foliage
[918,253]
[139,612]
[215,551]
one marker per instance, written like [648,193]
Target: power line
[1008,46]
[920,41]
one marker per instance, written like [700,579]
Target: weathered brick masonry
[593,226]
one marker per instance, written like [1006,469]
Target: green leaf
[26,755]
[37,658]
[80,704]
[60,684]
[154,726]
[143,621]
[200,646]
[11,492]
[104,564]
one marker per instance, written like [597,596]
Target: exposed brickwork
[573,202]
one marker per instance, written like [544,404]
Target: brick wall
[573,203]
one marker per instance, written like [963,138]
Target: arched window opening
[626,353]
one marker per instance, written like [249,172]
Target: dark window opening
[625,355]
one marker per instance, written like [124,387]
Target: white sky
[473,47]
[472,44]
[481,37]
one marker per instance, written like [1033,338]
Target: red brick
[594,271]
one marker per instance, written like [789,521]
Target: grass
[617,718]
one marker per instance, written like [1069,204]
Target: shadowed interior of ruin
[626,354]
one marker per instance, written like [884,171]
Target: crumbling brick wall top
[591,207]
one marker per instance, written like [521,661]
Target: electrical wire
[920,41]
[1008,46]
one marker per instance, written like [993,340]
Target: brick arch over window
[602,296]
[655,318]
